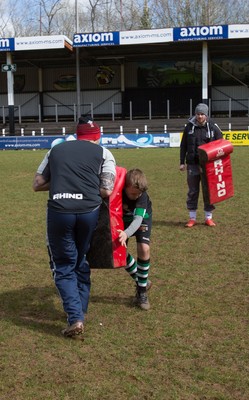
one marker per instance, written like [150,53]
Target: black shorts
[143,233]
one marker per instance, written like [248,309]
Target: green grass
[192,344]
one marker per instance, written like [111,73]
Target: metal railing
[225,107]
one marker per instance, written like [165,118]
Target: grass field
[192,344]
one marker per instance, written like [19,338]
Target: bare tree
[130,14]
[238,11]
[48,11]
[111,15]
[173,13]
[146,19]
[41,17]
[65,21]
[8,17]
[107,14]
[93,8]
[148,14]
[24,18]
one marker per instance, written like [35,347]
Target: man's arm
[40,184]
[106,184]
[217,132]
[183,150]
[108,173]
[42,176]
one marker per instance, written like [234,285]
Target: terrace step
[126,126]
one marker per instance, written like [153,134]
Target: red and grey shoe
[190,223]
[210,222]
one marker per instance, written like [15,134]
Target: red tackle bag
[105,250]
[215,162]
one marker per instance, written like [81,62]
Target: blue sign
[26,142]
[135,140]
[109,141]
[200,33]
[96,39]
[7,44]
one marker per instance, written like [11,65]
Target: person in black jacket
[78,174]
[199,130]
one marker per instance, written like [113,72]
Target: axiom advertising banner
[41,42]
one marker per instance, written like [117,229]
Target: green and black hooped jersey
[141,206]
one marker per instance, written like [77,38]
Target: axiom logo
[76,196]
[196,31]
[4,43]
[221,184]
[88,38]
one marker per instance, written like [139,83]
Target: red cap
[87,130]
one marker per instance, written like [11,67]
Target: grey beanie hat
[201,108]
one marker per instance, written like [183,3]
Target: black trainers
[74,331]
[142,300]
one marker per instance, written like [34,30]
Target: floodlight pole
[10,84]
[77,62]
[205,72]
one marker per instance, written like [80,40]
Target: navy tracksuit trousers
[194,180]
[68,239]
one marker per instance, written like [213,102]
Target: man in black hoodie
[199,130]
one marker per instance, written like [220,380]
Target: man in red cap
[77,174]
[87,129]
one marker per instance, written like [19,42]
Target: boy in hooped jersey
[137,216]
